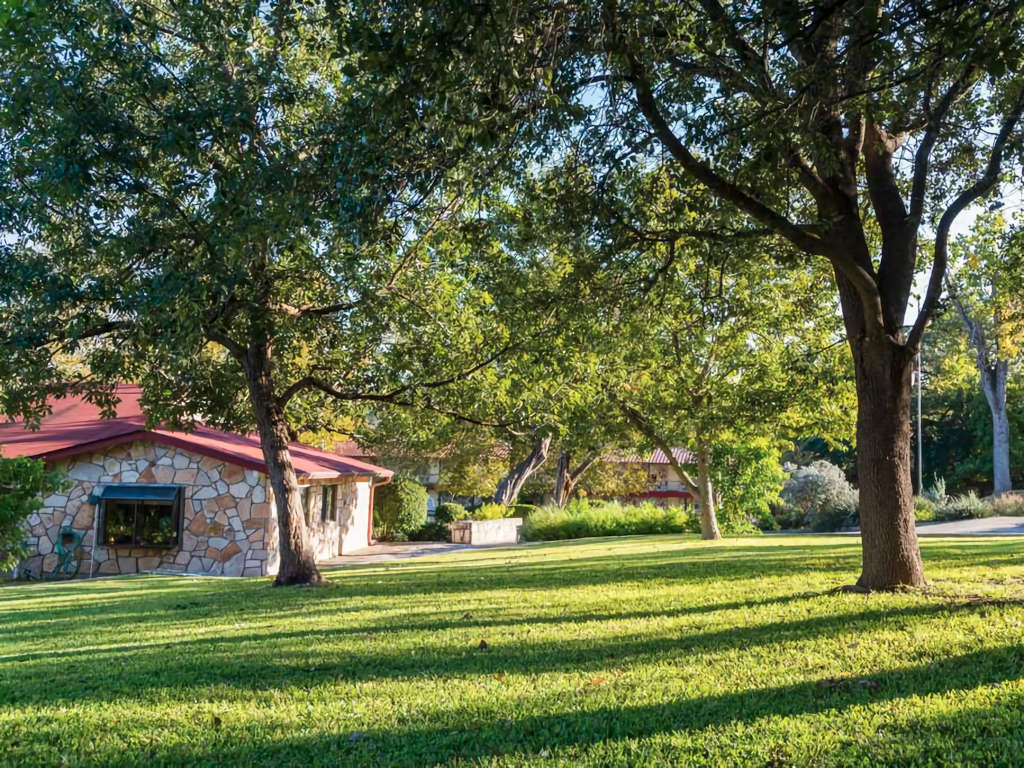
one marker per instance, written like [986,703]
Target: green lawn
[639,651]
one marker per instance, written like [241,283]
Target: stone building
[161,500]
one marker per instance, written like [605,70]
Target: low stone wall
[483,532]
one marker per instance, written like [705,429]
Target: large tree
[245,207]
[985,288]
[842,129]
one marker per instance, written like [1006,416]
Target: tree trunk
[510,485]
[566,477]
[888,535]
[706,493]
[993,382]
[563,487]
[298,564]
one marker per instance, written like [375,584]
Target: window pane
[156,524]
[118,522]
[329,502]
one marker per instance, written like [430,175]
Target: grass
[642,651]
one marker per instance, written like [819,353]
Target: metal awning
[137,492]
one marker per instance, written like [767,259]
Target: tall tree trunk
[298,564]
[993,382]
[706,493]
[566,477]
[510,485]
[888,535]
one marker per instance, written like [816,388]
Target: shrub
[522,510]
[490,511]
[936,493]
[431,532]
[23,483]
[582,518]
[967,506]
[400,507]
[449,512]
[924,509]
[820,497]
[1009,504]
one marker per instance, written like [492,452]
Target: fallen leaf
[500,676]
[596,680]
[483,645]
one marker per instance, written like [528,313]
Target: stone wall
[229,526]
[331,536]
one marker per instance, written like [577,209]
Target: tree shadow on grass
[148,603]
[264,661]
[472,735]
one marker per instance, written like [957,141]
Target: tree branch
[978,189]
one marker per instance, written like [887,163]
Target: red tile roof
[75,427]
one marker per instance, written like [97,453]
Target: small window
[329,503]
[141,516]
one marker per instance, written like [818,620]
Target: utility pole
[920,434]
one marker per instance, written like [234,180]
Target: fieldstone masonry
[229,524]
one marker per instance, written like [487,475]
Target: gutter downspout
[369,525]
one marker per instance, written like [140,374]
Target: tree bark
[706,493]
[510,485]
[566,477]
[298,563]
[993,382]
[888,534]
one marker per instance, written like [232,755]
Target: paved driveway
[988,526]
[387,551]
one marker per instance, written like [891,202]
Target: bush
[490,512]
[449,512]
[924,509]
[818,496]
[581,519]
[522,510]
[937,492]
[23,484]
[399,508]
[432,532]
[1011,504]
[967,506]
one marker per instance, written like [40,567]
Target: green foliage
[586,639]
[936,492]
[1010,504]
[522,510]
[435,531]
[924,509]
[23,484]
[400,507]
[966,506]
[820,497]
[490,511]
[750,478]
[449,511]
[582,519]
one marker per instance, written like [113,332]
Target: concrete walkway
[386,551]
[986,526]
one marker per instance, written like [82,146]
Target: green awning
[139,492]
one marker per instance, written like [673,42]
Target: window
[329,504]
[140,515]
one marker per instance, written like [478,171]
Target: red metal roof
[75,427]
[682,455]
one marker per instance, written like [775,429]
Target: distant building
[664,486]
